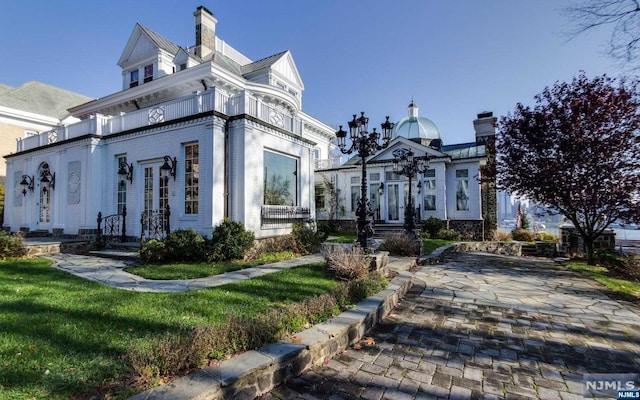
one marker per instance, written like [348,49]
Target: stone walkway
[111,272]
[481,326]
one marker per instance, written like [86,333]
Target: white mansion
[456,187]
[196,135]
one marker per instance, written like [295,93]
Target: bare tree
[622,16]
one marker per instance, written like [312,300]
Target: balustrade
[209,100]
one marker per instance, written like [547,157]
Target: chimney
[205,32]
[485,126]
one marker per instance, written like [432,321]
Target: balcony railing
[282,216]
[182,107]
[320,165]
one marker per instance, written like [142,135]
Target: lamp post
[405,163]
[364,143]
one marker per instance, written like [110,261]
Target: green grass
[202,270]
[621,288]
[342,238]
[429,245]
[65,337]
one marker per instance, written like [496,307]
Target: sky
[454,58]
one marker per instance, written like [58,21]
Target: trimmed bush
[153,251]
[308,240]
[447,234]
[432,226]
[523,235]
[11,245]
[185,245]
[229,241]
[401,244]
[547,237]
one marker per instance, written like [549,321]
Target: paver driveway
[484,326]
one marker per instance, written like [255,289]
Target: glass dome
[414,126]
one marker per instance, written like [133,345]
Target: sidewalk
[111,272]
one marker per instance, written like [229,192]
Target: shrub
[185,245]
[448,234]
[11,245]
[173,353]
[547,237]
[502,236]
[153,251]
[432,226]
[363,288]
[401,244]
[347,264]
[276,244]
[522,235]
[627,266]
[308,240]
[229,241]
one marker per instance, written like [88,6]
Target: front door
[398,201]
[155,201]
[395,206]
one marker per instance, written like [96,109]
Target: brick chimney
[205,32]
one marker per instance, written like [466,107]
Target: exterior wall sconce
[419,186]
[167,169]
[126,171]
[381,189]
[47,180]
[27,183]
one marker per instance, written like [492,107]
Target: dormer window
[183,66]
[133,78]
[148,73]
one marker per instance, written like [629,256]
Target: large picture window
[280,179]
[191,178]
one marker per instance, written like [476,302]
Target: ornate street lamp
[364,143]
[404,163]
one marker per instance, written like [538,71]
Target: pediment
[286,68]
[183,57]
[139,46]
[419,150]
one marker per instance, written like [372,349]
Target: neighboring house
[457,186]
[196,135]
[32,108]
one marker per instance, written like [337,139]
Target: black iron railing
[282,216]
[113,228]
[155,224]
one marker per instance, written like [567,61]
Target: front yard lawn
[203,269]
[620,288]
[62,337]
[429,245]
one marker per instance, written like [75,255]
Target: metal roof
[465,150]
